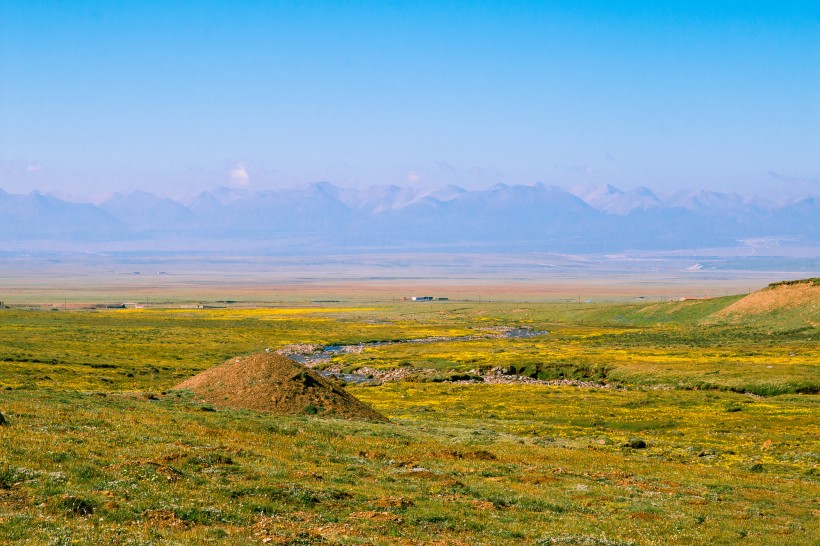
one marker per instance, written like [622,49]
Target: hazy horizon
[774,195]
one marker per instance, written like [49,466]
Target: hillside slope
[781,306]
[794,304]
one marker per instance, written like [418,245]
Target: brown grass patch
[802,295]
[161,517]
[377,516]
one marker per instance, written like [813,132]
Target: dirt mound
[273,383]
[801,298]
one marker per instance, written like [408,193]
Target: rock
[635,443]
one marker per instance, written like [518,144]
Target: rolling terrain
[620,423]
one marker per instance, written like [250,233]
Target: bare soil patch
[272,383]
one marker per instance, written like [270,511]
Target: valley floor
[708,434]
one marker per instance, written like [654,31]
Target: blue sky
[175,97]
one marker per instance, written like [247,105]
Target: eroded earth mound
[273,383]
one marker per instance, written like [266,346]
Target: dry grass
[804,297]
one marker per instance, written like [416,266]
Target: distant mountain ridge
[322,217]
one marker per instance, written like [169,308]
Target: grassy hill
[689,312]
[789,304]
[780,307]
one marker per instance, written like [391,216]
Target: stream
[323,355]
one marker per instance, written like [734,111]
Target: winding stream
[322,355]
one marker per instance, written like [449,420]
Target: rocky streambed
[314,356]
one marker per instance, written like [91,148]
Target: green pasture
[694,431]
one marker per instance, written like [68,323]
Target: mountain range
[322,217]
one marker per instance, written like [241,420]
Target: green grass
[94,453]
[677,312]
[483,464]
[156,349]
[814,281]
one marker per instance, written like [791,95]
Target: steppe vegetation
[691,427]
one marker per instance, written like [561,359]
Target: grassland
[99,450]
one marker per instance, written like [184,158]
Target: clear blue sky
[174,97]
